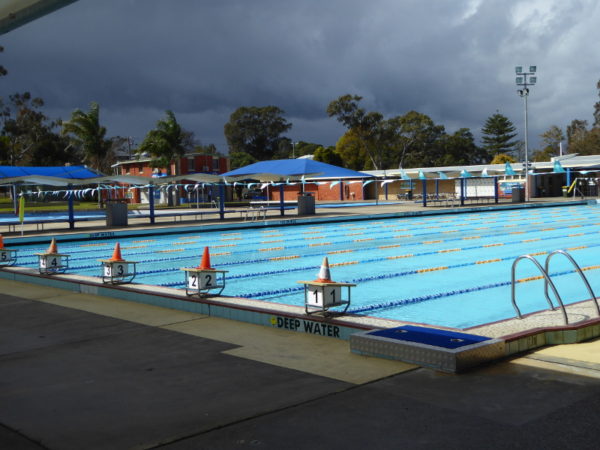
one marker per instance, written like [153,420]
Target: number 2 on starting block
[201,280]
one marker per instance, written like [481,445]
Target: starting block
[322,294]
[116,270]
[203,279]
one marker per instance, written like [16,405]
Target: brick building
[190,163]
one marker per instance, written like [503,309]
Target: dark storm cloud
[452,60]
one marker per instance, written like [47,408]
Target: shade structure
[558,168]
[53,171]
[281,169]
[508,170]
[196,177]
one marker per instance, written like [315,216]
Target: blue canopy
[508,170]
[296,168]
[56,171]
[558,168]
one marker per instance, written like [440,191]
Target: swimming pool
[449,270]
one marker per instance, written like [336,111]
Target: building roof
[573,162]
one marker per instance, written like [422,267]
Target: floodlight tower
[524,93]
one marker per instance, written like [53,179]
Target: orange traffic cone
[205,264]
[52,250]
[1,242]
[117,253]
[324,276]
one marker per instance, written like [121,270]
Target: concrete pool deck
[81,371]
[84,371]
[348,212]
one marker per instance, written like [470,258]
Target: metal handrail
[548,281]
[578,269]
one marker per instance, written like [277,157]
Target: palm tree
[165,143]
[86,134]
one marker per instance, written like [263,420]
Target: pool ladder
[548,282]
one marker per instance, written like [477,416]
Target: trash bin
[518,194]
[306,205]
[116,213]
[565,191]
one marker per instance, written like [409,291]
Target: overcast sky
[450,59]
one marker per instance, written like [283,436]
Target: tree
[352,152]
[586,143]
[543,155]
[581,140]
[328,155]
[88,136]
[53,150]
[208,149]
[597,109]
[497,134]
[254,133]
[459,149]
[166,143]
[25,125]
[551,141]
[3,71]
[502,158]
[415,137]
[368,128]
[576,131]
[240,159]
[4,149]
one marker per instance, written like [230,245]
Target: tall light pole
[524,93]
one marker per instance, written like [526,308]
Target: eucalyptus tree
[368,127]
[416,137]
[255,134]
[24,127]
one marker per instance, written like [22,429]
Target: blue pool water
[449,270]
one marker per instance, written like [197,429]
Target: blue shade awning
[465,174]
[508,170]
[558,168]
[295,168]
[404,175]
[443,176]
[422,175]
[78,172]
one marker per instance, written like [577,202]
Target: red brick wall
[320,192]
[201,162]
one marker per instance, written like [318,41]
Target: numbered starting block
[116,270]
[203,279]
[8,257]
[52,262]
[322,294]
